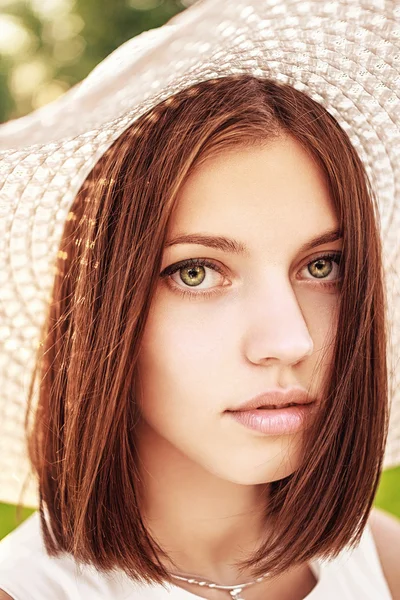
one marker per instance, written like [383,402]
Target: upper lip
[276,397]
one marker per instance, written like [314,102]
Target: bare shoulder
[4,596]
[386,531]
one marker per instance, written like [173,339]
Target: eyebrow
[235,247]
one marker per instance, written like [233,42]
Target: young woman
[213,399]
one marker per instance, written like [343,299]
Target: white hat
[343,54]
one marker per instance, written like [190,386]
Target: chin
[252,478]
[255,471]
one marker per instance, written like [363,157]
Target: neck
[206,524]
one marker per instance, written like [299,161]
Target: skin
[270,324]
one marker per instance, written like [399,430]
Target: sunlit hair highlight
[82,439]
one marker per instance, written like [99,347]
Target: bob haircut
[82,439]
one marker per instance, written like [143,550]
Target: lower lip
[274,421]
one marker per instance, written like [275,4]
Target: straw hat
[343,54]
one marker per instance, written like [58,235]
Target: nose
[275,326]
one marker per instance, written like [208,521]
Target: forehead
[266,192]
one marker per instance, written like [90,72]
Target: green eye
[192,276]
[192,272]
[320,268]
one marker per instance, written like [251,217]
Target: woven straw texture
[345,55]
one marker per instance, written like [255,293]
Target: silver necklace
[234,591]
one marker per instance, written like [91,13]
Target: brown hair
[82,442]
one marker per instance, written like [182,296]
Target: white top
[28,573]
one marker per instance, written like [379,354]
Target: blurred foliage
[10,518]
[47,46]
[388,495]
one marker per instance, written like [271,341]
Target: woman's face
[253,321]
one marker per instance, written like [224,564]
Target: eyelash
[204,262]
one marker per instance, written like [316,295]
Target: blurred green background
[46,47]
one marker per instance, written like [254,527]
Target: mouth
[275,420]
[279,406]
[277,411]
[276,398]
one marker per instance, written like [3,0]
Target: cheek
[181,384]
[177,362]
[321,317]
[319,309]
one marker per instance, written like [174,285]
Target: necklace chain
[233,590]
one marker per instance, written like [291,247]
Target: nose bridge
[275,325]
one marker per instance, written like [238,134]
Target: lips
[275,398]
[274,421]
[276,406]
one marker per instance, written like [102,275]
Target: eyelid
[321,254]
[207,262]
